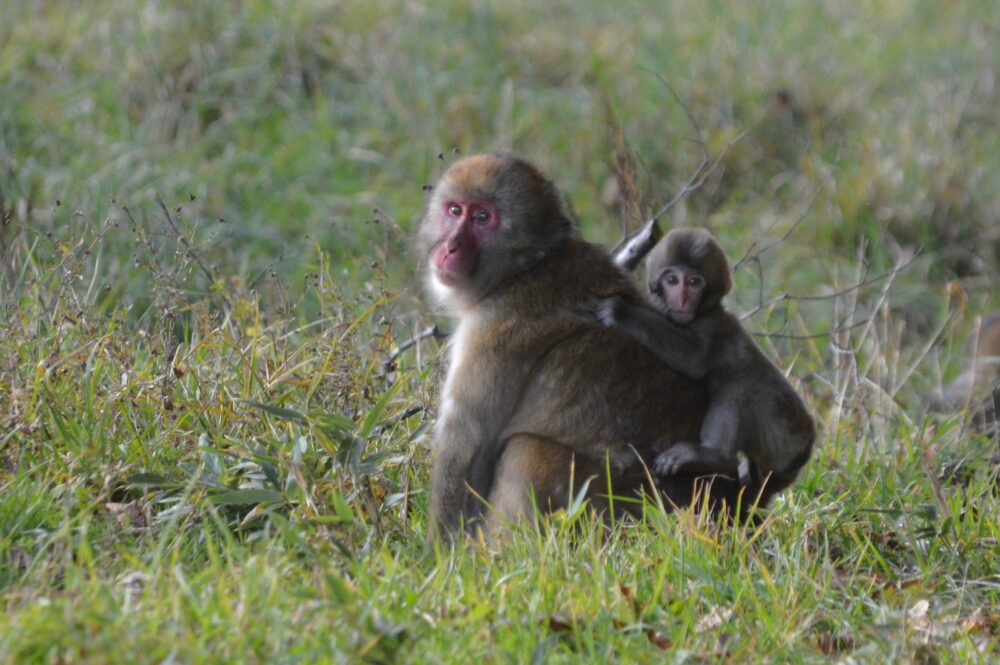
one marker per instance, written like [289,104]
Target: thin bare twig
[398,418]
[698,176]
[269,268]
[865,281]
[430,331]
[753,254]
[705,168]
[190,250]
[750,255]
[143,238]
[624,170]
[838,329]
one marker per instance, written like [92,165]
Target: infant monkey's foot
[675,459]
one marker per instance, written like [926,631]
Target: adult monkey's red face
[491,216]
[463,226]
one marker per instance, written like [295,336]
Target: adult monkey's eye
[454,210]
[481,217]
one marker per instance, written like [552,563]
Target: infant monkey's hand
[609,311]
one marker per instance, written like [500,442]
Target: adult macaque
[752,408]
[979,385]
[538,397]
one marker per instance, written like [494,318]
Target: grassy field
[205,455]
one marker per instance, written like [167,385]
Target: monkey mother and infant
[560,372]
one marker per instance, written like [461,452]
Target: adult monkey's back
[538,395]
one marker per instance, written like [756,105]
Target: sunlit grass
[205,455]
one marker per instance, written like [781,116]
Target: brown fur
[752,409]
[536,389]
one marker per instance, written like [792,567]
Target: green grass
[204,456]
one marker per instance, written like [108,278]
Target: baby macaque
[752,408]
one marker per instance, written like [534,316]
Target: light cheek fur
[445,296]
[457,350]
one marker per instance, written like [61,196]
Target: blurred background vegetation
[205,264]
[294,122]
